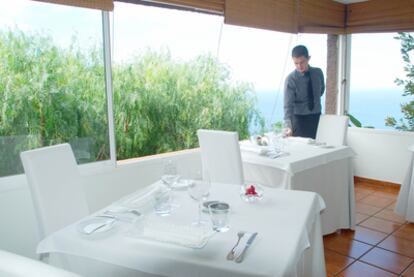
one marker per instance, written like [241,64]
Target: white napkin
[141,199]
[301,140]
[184,235]
[261,150]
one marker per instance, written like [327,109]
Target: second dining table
[303,165]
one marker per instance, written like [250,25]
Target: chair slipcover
[220,156]
[56,187]
[13,265]
[332,129]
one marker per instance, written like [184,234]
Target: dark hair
[299,51]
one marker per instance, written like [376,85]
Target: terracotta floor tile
[361,217]
[335,262]
[390,215]
[406,232]
[365,235]
[381,225]
[367,186]
[391,207]
[361,189]
[359,269]
[345,245]
[386,194]
[377,201]
[386,260]
[366,209]
[361,195]
[409,272]
[399,245]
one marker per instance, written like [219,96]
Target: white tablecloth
[327,171]
[405,201]
[289,242]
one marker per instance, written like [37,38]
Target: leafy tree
[50,95]
[407,50]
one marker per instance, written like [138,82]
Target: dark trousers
[305,125]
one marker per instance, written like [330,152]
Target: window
[375,64]
[263,59]
[52,83]
[169,82]
[177,71]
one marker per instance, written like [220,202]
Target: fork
[230,256]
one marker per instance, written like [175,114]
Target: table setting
[204,230]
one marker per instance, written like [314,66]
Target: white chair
[220,156]
[332,129]
[56,187]
[13,265]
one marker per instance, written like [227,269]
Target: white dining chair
[13,265]
[56,187]
[220,156]
[332,129]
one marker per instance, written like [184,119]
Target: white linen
[220,156]
[301,140]
[326,171]
[405,201]
[184,235]
[332,129]
[56,187]
[289,242]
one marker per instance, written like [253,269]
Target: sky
[257,56]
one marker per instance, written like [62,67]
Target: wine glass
[198,190]
[170,176]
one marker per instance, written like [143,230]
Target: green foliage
[354,121]
[160,103]
[50,95]
[407,52]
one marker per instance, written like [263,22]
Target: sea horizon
[369,106]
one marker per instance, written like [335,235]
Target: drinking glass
[162,201]
[219,215]
[198,190]
[170,176]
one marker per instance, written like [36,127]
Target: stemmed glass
[199,190]
[170,176]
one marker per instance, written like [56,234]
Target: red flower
[251,190]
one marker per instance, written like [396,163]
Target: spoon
[91,228]
[230,256]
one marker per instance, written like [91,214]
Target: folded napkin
[184,235]
[143,198]
[301,140]
[261,150]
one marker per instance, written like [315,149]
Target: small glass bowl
[251,192]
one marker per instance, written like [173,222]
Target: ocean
[370,107]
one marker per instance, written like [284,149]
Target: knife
[240,258]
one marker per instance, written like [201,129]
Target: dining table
[303,164]
[288,241]
[405,200]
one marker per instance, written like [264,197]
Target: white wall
[381,154]
[18,229]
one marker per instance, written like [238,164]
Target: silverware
[230,256]
[92,228]
[240,258]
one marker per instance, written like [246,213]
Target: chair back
[332,129]
[220,156]
[56,187]
[13,265]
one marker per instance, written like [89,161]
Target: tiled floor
[381,245]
